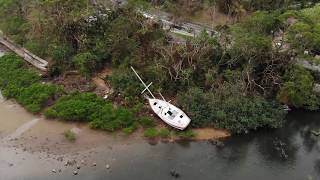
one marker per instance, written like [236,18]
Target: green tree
[297,89]
[86,62]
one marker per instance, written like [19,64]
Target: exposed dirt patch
[48,137]
[103,88]
[210,133]
[74,82]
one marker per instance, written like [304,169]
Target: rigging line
[142,82]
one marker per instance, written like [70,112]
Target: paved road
[183,28]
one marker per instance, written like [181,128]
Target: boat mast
[146,87]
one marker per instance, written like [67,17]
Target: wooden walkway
[25,54]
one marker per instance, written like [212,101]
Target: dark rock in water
[60,158]
[175,174]
[75,172]
[10,164]
[70,163]
[94,164]
[316,133]
[216,143]
[281,147]
[220,144]
[78,166]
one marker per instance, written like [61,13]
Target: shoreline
[48,135]
[58,127]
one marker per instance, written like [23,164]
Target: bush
[263,21]
[37,47]
[130,129]
[14,76]
[24,85]
[304,36]
[110,118]
[249,45]
[86,63]
[76,107]
[297,89]
[229,109]
[91,108]
[151,133]
[35,97]
[146,122]
[187,134]
[312,13]
[124,81]
[60,53]
[15,27]
[164,133]
[70,136]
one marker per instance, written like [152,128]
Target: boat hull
[170,114]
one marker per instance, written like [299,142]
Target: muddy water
[11,117]
[31,147]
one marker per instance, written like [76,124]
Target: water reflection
[253,156]
[309,140]
[317,166]
[235,149]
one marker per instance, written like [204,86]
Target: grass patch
[151,133]
[146,122]
[70,136]
[129,130]
[187,134]
[164,133]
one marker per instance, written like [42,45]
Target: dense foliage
[229,81]
[75,107]
[297,89]
[23,84]
[110,118]
[231,7]
[36,96]
[88,107]
[304,34]
[230,110]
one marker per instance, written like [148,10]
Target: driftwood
[316,133]
[25,54]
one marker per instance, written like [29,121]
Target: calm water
[253,156]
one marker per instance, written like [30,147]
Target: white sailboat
[169,113]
